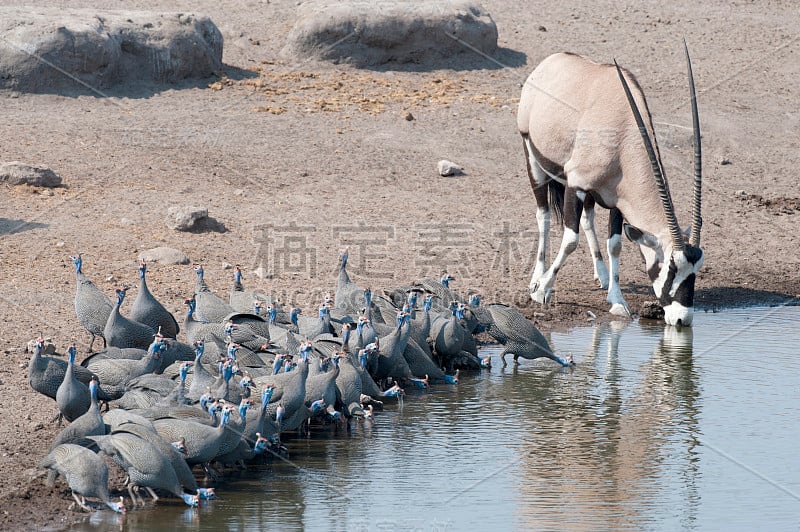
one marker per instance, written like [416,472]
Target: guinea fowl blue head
[363,358]
[121,295]
[420,383]
[272,312]
[446,278]
[93,388]
[474,300]
[191,304]
[192,499]
[460,310]
[199,348]
[412,298]
[305,351]
[246,383]
[158,346]
[266,394]
[118,507]
[204,399]
[244,405]
[293,315]
[198,269]
[345,333]
[179,445]
[225,416]
[280,411]
[317,405]
[337,356]
[229,328]
[394,391]
[260,445]
[184,371]
[206,493]
[427,303]
[78,262]
[368,297]
[277,364]
[72,351]
[452,379]
[257,307]
[237,275]
[343,257]
[142,268]
[232,348]
[323,310]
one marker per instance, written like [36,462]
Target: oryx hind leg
[573,205]
[587,223]
[619,306]
[539,179]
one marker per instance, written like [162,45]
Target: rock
[95,49]
[375,33]
[408,116]
[651,310]
[165,255]
[447,168]
[17,173]
[724,161]
[185,218]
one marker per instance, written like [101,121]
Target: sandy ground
[299,160]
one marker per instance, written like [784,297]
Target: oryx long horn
[697,218]
[658,174]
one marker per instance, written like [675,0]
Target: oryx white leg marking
[618,305]
[543,220]
[541,293]
[587,223]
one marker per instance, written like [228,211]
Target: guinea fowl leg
[81,503]
[152,493]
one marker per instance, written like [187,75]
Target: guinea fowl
[45,374]
[145,465]
[89,424]
[448,334]
[148,311]
[242,300]
[390,361]
[202,441]
[348,385]
[421,326]
[72,395]
[519,336]
[349,296]
[116,373]
[210,307]
[202,380]
[85,473]
[147,432]
[92,306]
[124,332]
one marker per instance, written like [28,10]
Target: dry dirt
[298,160]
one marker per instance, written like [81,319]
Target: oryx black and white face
[672,272]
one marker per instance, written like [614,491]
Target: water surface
[655,428]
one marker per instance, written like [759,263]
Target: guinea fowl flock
[247,372]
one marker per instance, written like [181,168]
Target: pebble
[448,168]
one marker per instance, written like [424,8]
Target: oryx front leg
[619,306]
[573,205]
[539,179]
[587,223]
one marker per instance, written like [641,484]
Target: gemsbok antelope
[586,142]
